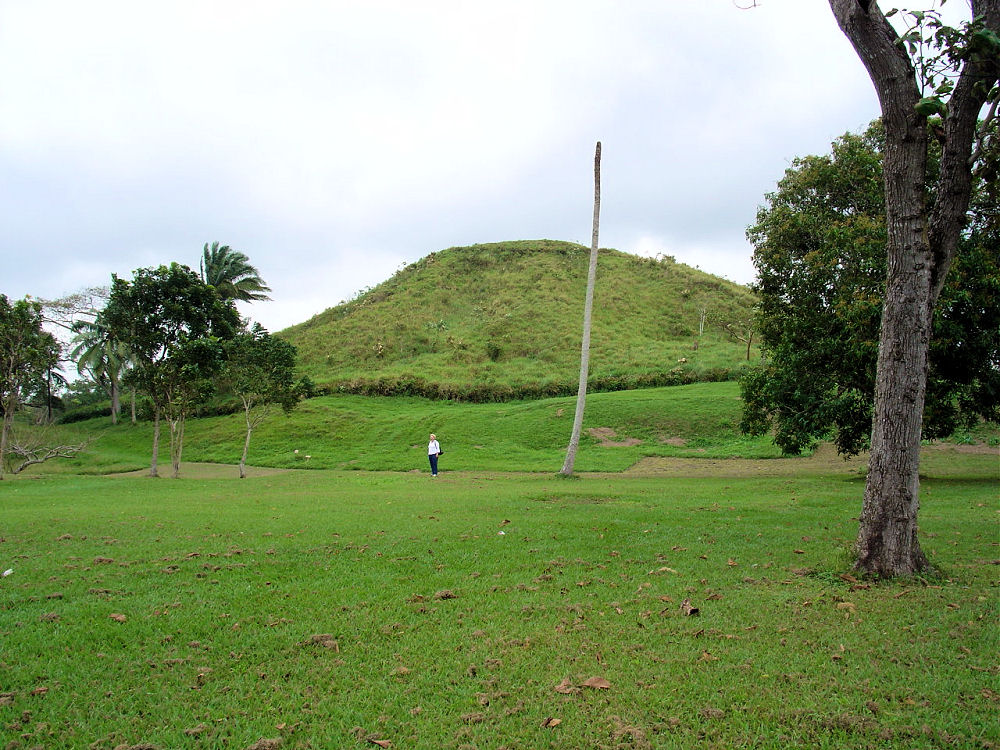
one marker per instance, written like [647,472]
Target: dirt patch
[206,471]
[824,461]
[605,437]
[676,442]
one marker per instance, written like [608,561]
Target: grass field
[354,609]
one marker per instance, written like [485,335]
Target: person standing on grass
[433,451]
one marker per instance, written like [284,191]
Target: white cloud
[333,140]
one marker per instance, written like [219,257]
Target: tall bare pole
[581,394]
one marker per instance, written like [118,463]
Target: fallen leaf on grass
[706,656]
[597,683]
[326,640]
[381,743]
[848,606]
[446,594]
[266,744]
[566,687]
[662,570]
[731,563]
[41,690]
[117,617]
[195,731]
[550,722]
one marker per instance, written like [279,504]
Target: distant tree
[230,272]
[27,354]
[174,325]
[260,369]
[581,395]
[82,306]
[819,249]
[928,69]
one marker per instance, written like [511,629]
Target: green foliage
[28,354]
[231,274]
[503,321]
[819,248]
[173,324]
[312,608]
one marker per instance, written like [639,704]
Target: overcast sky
[334,142]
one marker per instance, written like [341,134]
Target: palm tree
[105,359]
[230,272]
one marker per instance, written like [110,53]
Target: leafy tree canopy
[819,249]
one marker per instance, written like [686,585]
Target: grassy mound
[503,321]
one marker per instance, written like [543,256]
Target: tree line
[169,335]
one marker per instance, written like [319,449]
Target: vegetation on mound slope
[345,431]
[500,321]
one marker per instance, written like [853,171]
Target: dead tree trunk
[581,394]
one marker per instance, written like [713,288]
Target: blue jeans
[434,463]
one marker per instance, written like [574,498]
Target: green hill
[500,321]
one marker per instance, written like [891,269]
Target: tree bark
[156,442]
[176,444]
[247,406]
[581,394]
[920,246]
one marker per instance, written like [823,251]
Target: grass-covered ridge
[503,320]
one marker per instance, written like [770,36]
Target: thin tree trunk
[176,444]
[581,394]
[156,442]
[246,442]
[8,420]
[116,405]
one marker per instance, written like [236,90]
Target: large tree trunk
[581,394]
[920,247]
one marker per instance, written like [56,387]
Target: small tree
[27,354]
[260,369]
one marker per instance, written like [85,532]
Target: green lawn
[330,609]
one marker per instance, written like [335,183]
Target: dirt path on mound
[824,461]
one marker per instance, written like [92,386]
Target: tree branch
[949,214]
